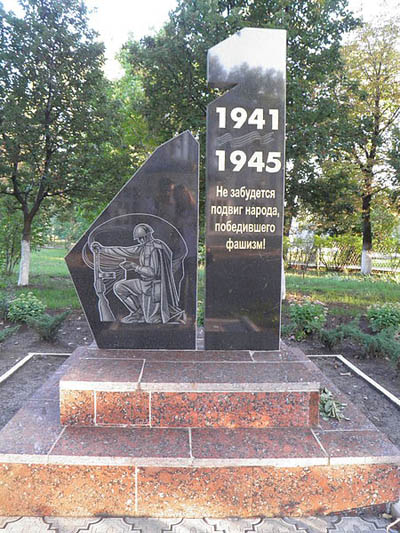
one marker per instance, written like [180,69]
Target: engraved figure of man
[151,297]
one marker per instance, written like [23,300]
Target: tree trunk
[24,264]
[366,257]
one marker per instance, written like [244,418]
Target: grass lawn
[49,280]
[344,295]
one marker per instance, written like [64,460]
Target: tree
[56,119]
[372,60]
[172,69]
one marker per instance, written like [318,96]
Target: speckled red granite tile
[279,443]
[104,370]
[66,490]
[230,410]
[76,407]
[285,354]
[322,489]
[123,442]
[130,408]
[33,430]
[168,355]
[194,492]
[165,372]
[354,419]
[366,445]
[299,371]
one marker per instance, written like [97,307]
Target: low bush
[46,325]
[305,319]
[383,344]
[7,332]
[25,306]
[384,316]
[4,305]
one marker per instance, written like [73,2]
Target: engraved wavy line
[244,140]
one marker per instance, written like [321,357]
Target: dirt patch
[17,389]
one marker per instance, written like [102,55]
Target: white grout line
[136,490]
[55,442]
[321,446]
[141,371]
[95,407]
[20,363]
[150,414]
[360,373]
[14,368]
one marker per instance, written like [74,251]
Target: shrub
[305,319]
[7,332]
[46,325]
[384,316]
[4,305]
[26,305]
[382,344]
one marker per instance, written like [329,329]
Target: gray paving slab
[331,524]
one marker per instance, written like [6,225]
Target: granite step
[50,469]
[47,469]
[189,389]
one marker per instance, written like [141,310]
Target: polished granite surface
[135,269]
[245,181]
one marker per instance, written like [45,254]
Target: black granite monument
[135,269]
[245,184]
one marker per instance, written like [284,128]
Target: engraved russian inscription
[245,174]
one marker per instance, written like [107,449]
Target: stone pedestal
[172,434]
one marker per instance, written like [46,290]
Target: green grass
[49,262]
[49,280]
[354,291]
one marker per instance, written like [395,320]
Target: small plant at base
[384,316]
[305,319]
[329,407]
[7,332]
[46,325]
[4,305]
[24,306]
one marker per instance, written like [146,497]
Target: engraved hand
[128,265]
[95,246]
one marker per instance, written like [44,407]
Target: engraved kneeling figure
[152,296]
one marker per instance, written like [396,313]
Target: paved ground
[206,525]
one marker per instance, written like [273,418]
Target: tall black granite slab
[245,188]
[135,269]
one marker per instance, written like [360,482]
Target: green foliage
[60,132]
[372,69]
[201,296]
[305,319]
[329,407]
[46,325]
[7,332]
[26,305]
[4,305]
[384,316]
[382,344]
[11,225]
[171,69]
[335,253]
[349,290]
